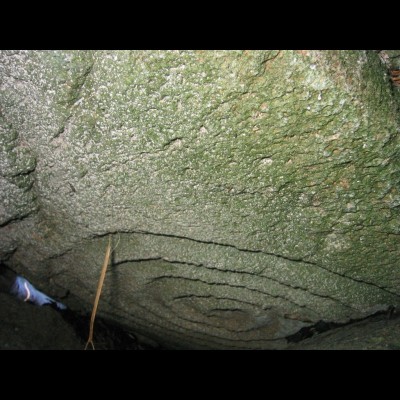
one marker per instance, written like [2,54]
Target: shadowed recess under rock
[255,193]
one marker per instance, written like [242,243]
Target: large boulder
[248,194]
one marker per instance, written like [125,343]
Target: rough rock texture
[248,194]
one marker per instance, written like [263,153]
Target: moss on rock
[254,192]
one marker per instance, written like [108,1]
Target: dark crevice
[226,270]
[210,296]
[319,327]
[161,330]
[14,220]
[61,130]
[324,326]
[159,326]
[137,260]
[80,82]
[276,296]
[292,259]
[75,93]
[61,254]
[172,141]
[225,309]
[265,277]
[21,173]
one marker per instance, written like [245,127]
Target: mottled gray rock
[248,194]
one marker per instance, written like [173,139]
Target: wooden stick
[98,293]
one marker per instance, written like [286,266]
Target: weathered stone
[249,194]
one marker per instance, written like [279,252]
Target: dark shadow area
[24,326]
[108,335]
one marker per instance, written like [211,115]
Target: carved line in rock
[197,336]
[232,286]
[231,271]
[186,332]
[296,260]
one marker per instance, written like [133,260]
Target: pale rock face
[248,194]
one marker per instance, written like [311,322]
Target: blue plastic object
[25,291]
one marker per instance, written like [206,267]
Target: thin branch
[98,293]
